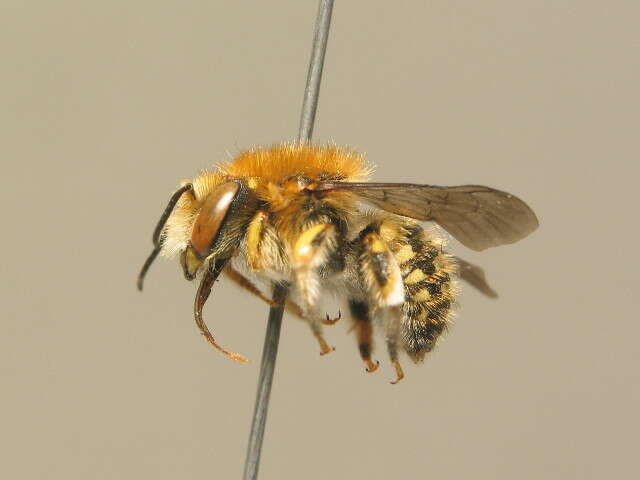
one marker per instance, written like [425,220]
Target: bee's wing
[479,217]
[474,276]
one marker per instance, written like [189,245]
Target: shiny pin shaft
[272,336]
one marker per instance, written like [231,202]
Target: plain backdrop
[106,106]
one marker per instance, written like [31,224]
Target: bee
[300,215]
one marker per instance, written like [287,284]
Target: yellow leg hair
[310,251]
[380,272]
[254,238]
[382,278]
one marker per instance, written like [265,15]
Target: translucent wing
[479,217]
[474,276]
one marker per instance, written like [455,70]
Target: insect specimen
[301,215]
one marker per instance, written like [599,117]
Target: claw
[399,372]
[328,350]
[372,367]
[324,346]
[331,321]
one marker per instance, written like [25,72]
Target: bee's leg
[315,320]
[393,321]
[382,279]
[316,329]
[243,282]
[290,306]
[332,321]
[364,331]
[310,251]
[379,271]
[255,235]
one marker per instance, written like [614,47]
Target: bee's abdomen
[430,290]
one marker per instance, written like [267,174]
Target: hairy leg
[364,332]
[382,280]
[311,251]
[393,319]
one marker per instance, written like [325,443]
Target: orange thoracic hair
[285,160]
[281,162]
[266,172]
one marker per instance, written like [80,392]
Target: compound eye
[211,217]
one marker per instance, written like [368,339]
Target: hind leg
[393,322]
[382,280]
[364,331]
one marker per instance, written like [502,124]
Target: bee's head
[218,226]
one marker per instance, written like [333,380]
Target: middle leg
[311,251]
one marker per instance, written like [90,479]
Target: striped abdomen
[430,289]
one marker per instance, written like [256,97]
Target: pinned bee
[294,214]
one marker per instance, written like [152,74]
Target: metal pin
[272,337]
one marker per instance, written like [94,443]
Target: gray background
[105,106]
